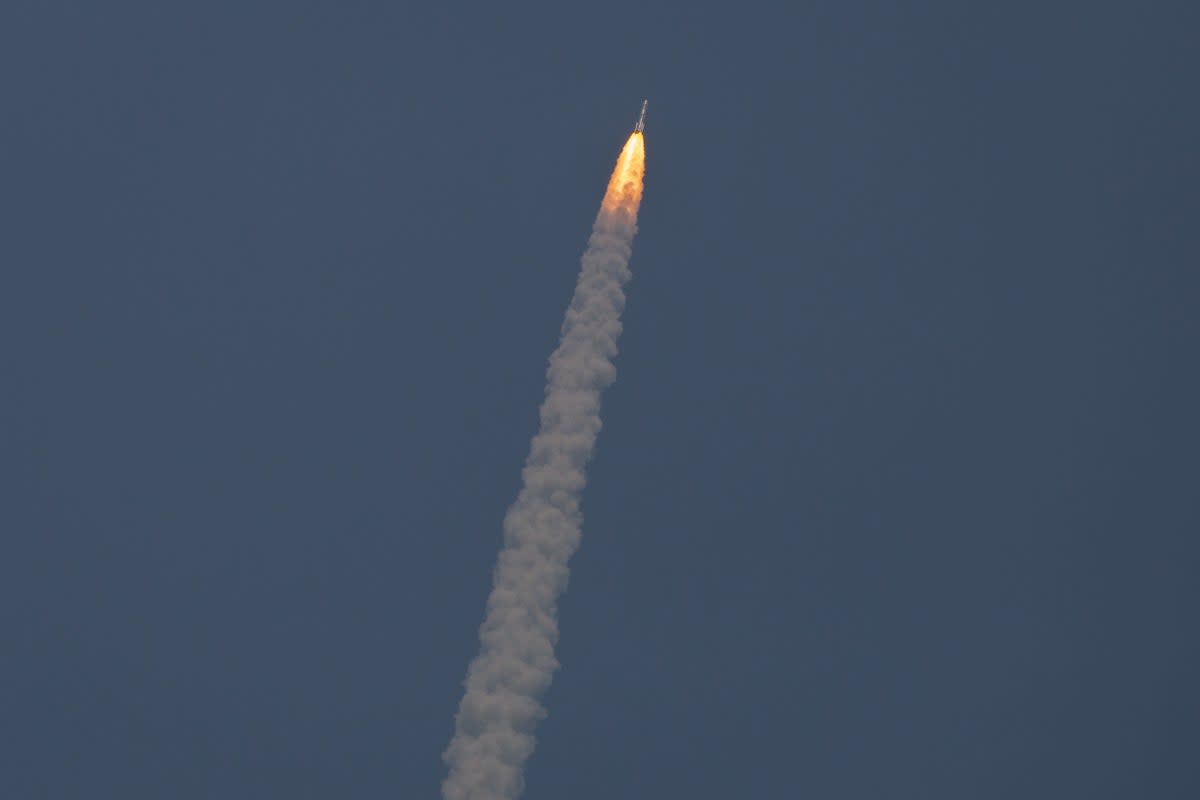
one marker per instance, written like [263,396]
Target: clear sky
[898,492]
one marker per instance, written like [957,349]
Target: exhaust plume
[494,726]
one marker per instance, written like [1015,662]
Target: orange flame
[625,186]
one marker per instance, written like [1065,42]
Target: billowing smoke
[495,722]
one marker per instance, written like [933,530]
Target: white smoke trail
[494,726]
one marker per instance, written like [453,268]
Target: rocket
[641,123]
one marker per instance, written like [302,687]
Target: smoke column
[494,726]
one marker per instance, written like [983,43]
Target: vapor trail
[495,722]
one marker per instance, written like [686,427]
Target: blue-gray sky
[897,493]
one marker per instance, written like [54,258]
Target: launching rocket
[641,123]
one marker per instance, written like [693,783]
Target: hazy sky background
[897,494]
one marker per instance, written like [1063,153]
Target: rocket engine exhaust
[501,705]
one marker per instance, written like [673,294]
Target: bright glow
[625,186]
